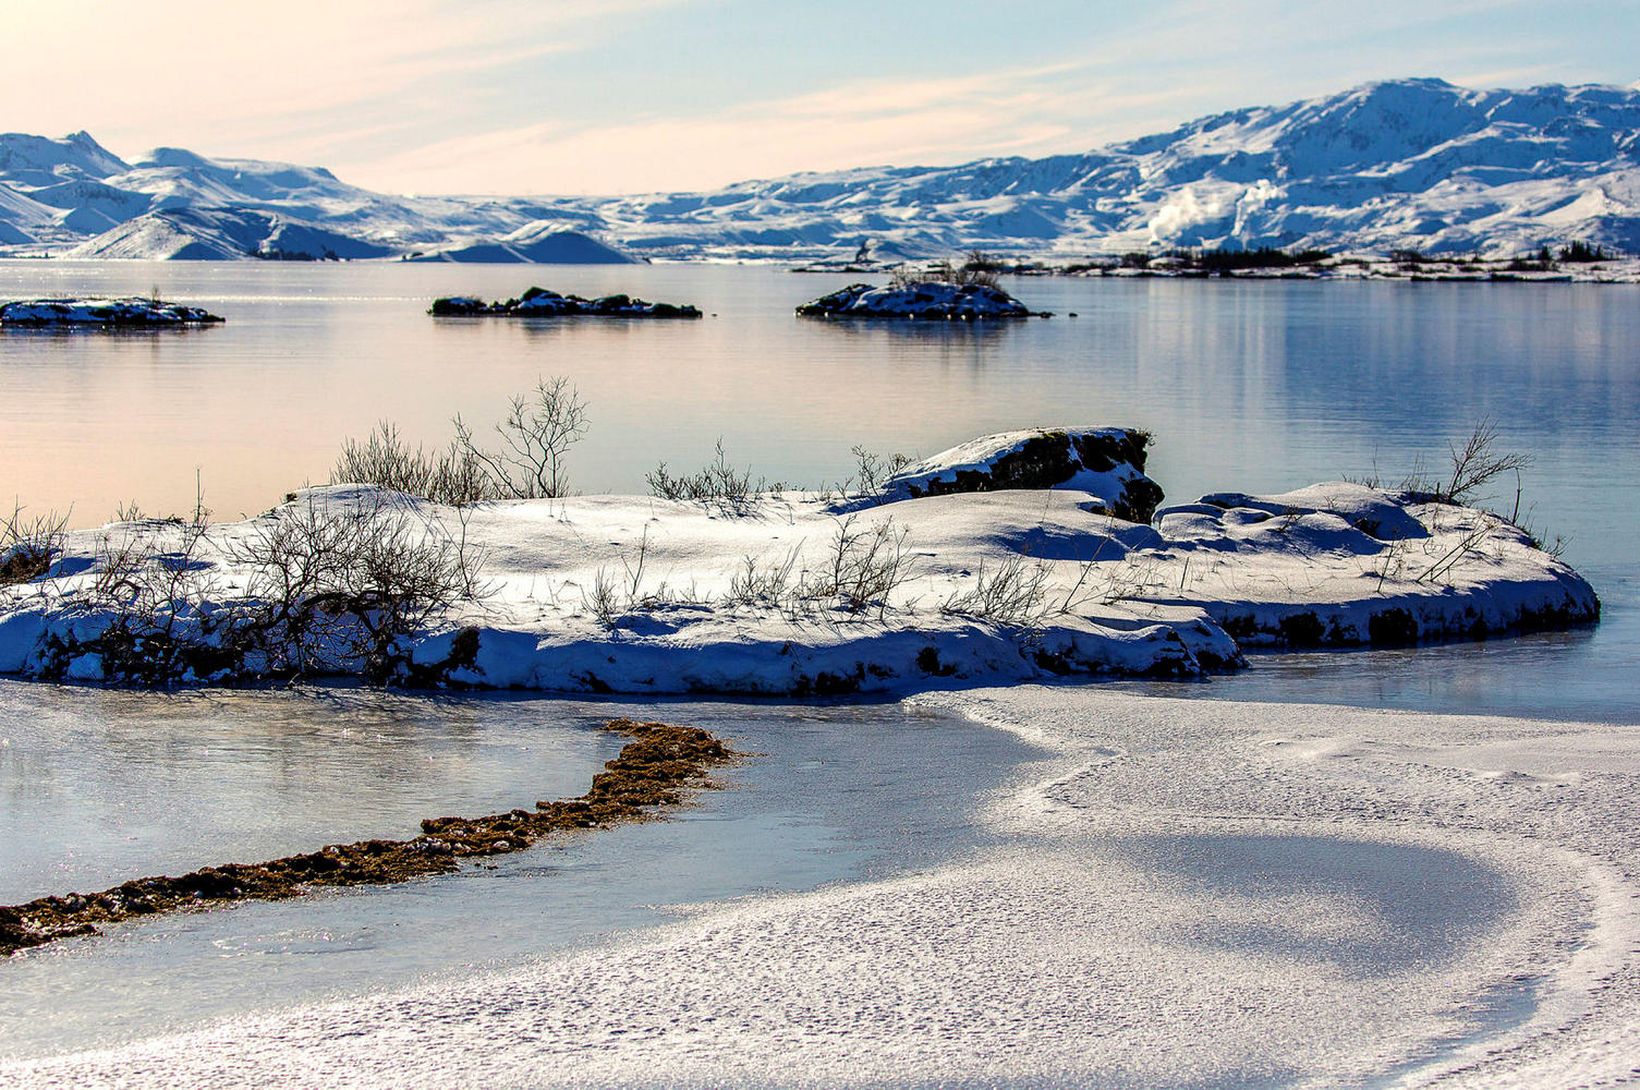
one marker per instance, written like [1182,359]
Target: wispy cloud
[871,121]
[229,75]
[563,96]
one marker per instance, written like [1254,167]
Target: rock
[1108,463]
[541,303]
[932,299]
[103,313]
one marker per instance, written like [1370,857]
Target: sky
[624,96]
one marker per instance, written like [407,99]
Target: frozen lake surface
[100,787]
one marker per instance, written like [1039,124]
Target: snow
[1182,893]
[1089,593]
[1399,164]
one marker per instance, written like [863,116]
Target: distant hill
[1402,164]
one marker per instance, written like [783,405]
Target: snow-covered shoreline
[799,594]
[1185,892]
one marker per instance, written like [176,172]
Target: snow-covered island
[930,299]
[103,313]
[1019,556]
[541,303]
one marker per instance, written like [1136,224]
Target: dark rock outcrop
[1109,463]
[541,303]
[932,299]
[104,313]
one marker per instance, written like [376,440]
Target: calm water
[1249,386]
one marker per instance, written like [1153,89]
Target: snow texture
[1401,164]
[1184,893]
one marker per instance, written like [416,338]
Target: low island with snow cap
[929,299]
[103,314]
[541,303]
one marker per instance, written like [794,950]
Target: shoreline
[1081,830]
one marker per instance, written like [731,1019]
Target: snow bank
[1342,564]
[798,594]
[928,299]
[541,303]
[102,312]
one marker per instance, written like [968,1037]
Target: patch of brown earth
[657,768]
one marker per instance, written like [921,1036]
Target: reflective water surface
[1252,386]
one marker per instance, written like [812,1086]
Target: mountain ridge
[1391,164]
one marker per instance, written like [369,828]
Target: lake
[1253,386]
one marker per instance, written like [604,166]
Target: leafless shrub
[1473,538]
[336,583]
[453,476]
[1134,576]
[862,568]
[539,429]
[29,543]
[603,599]
[872,471]
[529,461]
[1478,462]
[1012,592]
[765,585]
[718,483]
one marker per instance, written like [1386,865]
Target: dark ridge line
[655,769]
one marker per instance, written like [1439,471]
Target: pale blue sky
[554,96]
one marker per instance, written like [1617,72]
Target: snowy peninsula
[1015,557]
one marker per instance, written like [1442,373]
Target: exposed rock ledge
[932,299]
[800,594]
[103,313]
[541,303]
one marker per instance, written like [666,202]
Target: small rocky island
[130,313]
[541,303]
[927,299]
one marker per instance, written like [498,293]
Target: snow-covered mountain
[1399,164]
